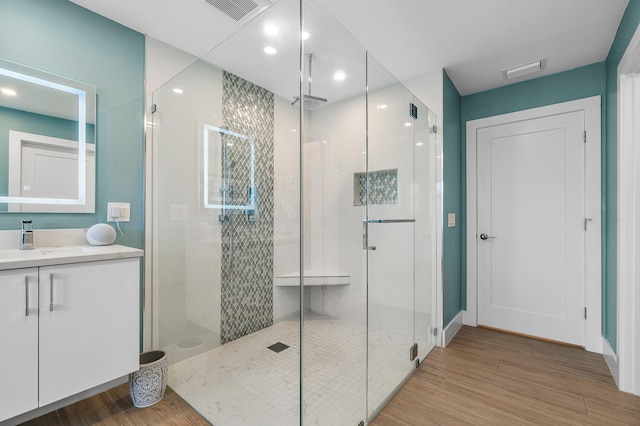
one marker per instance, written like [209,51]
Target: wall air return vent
[240,10]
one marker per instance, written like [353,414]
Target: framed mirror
[47,142]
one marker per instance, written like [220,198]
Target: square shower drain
[278,347]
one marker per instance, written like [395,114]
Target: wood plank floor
[484,377]
[114,408]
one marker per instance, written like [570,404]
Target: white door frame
[626,368]
[592,110]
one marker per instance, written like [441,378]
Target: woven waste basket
[148,384]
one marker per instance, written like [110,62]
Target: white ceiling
[473,40]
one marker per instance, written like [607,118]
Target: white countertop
[46,256]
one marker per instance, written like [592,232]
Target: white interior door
[531,227]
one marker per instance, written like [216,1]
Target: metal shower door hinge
[413,110]
[413,352]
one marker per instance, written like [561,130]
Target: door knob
[485,237]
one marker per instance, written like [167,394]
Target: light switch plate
[451,220]
[118,212]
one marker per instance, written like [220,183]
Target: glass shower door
[389,229]
[426,228]
[334,283]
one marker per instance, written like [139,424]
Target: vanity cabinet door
[19,341]
[89,325]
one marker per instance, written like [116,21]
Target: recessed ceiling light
[407,124]
[270,50]
[324,141]
[519,71]
[381,106]
[178,91]
[419,143]
[339,75]
[270,28]
[8,92]
[305,35]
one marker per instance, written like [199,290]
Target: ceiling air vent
[526,69]
[240,10]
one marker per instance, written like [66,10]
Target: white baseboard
[612,361]
[469,318]
[452,329]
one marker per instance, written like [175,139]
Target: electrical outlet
[118,212]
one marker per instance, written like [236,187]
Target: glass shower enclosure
[294,199]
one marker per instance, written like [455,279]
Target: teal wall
[60,37]
[454,254]
[627,28]
[562,87]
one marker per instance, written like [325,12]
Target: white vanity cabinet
[89,325]
[19,341]
[76,328]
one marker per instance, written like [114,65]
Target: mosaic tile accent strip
[383,187]
[247,247]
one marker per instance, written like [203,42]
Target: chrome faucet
[26,237]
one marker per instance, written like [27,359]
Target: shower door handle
[390,221]
[365,239]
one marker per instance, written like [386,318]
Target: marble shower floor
[245,383]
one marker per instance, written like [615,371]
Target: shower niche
[294,216]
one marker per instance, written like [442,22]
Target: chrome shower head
[309,101]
